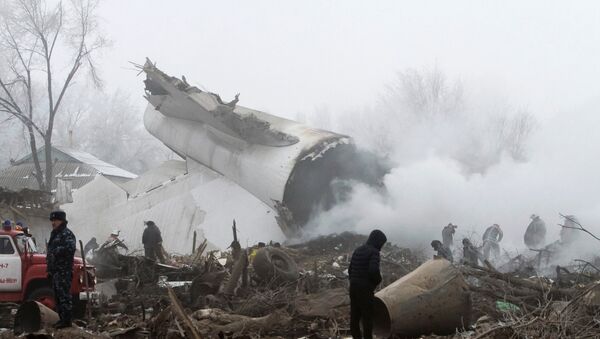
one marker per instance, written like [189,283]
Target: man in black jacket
[364,277]
[152,240]
[59,259]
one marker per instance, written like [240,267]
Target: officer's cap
[58,215]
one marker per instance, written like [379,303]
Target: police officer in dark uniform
[61,250]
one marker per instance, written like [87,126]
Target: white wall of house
[179,203]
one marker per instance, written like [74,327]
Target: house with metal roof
[21,200]
[73,166]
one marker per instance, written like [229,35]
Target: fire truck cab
[23,274]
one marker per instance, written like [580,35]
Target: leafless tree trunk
[31,34]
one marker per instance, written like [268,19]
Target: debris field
[300,291]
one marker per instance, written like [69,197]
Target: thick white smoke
[430,187]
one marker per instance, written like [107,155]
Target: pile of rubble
[273,291]
[519,305]
[300,291]
[329,256]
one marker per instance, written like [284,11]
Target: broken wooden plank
[191,330]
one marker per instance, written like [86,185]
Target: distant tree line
[422,112]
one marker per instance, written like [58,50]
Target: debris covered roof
[77,166]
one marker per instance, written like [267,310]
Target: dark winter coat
[151,236]
[471,255]
[61,250]
[364,265]
[445,253]
[536,233]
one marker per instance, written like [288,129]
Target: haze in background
[329,62]
[287,58]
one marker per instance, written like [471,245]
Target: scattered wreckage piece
[296,308]
[327,304]
[142,269]
[236,274]
[527,290]
[274,264]
[33,316]
[190,329]
[550,319]
[534,306]
[219,321]
[261,301]
[434,298]
[591,298]
[206,284]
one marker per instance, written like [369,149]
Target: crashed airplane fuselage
[287,165]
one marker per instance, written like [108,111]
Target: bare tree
[520,129]
[425,94]
[424,110]
[110,127]
[32,35]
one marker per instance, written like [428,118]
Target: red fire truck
[23,274]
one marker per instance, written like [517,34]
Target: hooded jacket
[364,265]
[536,233]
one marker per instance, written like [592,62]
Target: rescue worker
[27,233]
[90,246]
[491,239]
[152,240]
[61,250]
[114,239]
[471,255]
[20,226]
[364,275]
[448,235]
[442,251]
[570,231]
[536,232]
[7,225]
[254,250]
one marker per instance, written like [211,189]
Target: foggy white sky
[290,57]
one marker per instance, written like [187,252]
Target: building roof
[77,166]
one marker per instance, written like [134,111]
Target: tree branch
[580,228]
[19,115]
[59,26]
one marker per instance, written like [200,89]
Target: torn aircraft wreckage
[237,163]
[287,165]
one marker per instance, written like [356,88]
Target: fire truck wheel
[43,295]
